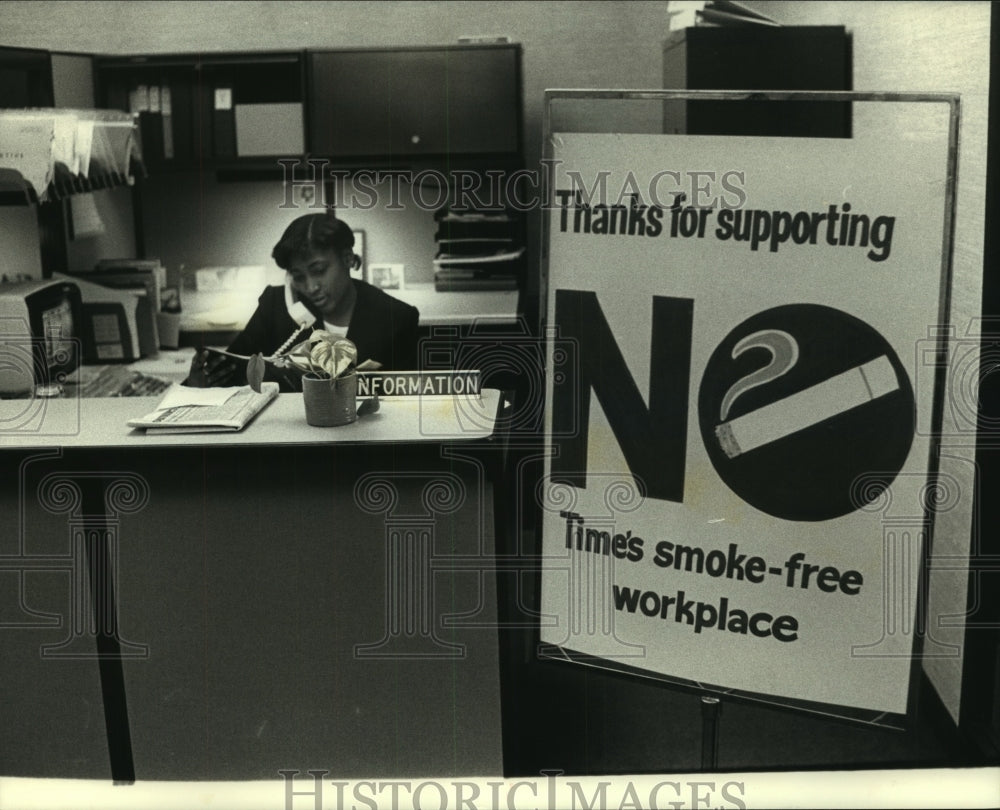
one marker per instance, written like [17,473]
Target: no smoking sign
[799,401]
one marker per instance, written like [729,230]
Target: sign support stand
[711,708]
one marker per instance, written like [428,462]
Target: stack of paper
[729,12]
[477,251]
[206,410]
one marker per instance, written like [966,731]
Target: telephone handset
[298,312]
[302,316]
[296,309]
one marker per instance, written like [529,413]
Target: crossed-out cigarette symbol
[837,394]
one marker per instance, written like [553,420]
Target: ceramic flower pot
[329,404]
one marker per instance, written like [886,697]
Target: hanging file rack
[51,154]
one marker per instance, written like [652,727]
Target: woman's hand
[210,369]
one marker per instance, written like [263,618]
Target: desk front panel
[51,711]
[300,607]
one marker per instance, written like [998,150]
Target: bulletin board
[737,389]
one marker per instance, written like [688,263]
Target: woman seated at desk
[317,251]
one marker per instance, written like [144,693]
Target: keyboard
[120,381]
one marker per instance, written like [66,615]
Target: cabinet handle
[414,139]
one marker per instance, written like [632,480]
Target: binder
[147,105]
[202,120]
[223,122]
[151,133]
[166,116]
[183,119]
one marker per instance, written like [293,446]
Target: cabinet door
[414,102]
[223,108]
[25,78]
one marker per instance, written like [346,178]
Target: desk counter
[101,423]
[286,597]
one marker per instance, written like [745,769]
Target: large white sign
[736,371]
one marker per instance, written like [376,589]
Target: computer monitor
[40,325]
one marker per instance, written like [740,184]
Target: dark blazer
[382,327]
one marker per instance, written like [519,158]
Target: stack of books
[477,251]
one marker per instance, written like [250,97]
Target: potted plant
[329,379]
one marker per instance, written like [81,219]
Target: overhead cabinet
[368,105]
[391,103]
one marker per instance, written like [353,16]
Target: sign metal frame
[556,96]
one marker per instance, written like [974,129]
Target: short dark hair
[309,233]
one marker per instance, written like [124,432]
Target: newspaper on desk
[206,410]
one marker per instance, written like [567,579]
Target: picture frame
[359,250]
[386,276]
